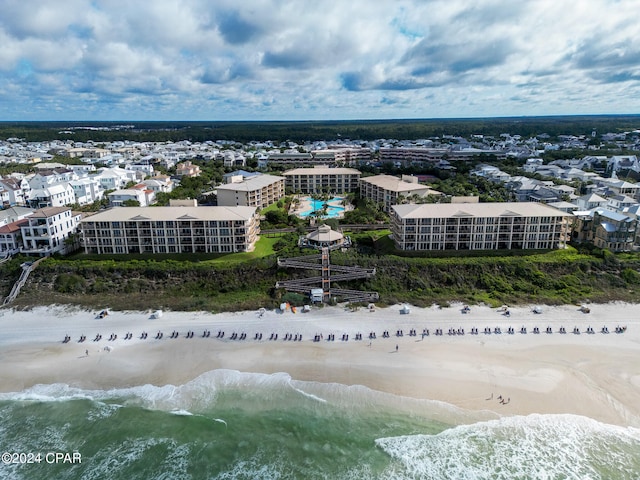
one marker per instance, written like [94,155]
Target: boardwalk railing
[27,267]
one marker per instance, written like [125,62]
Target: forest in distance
[302,131]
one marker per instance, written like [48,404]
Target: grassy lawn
[264,248]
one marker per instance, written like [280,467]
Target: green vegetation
[320,130]
[246,281]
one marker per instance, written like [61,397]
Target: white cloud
[332,59]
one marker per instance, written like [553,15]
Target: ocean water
[232,425]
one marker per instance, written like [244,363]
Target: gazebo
[325,237]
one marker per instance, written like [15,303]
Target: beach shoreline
[595,375]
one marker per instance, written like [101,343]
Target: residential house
[17,189]
[614,186]
[49,177]
[87,190]
[115,178]
[188,169]
[139,193]
[591,201]
[13,214]
[50,230]
[232,159]
[620,202]
[146,169]
[605,228]
[57,195]
[159,184]
[11,237]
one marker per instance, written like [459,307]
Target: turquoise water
[333,211]
[229,425]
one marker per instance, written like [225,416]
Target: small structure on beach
[325,236]
[325,239]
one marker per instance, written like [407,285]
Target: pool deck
[305,205]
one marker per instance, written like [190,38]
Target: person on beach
[396,348]
[86,352]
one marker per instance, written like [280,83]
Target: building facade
[605,228]
[389,190]
[322,180]
[50,230]
[258,191]
[479,226]
[171,230]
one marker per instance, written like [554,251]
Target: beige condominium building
[322,179]
[258,191]
[479,226]
[389,190]
[171,230]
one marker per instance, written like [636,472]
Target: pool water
[334,209]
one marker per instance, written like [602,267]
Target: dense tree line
[319,130]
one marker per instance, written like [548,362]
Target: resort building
[171,230]
[389,190]
[424,155]
[258,191]
[479,226]
[409,155]
[49,230]
[349,155]
[322,179]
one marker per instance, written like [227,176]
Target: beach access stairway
[329,273]
[27,267]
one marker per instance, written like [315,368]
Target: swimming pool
[334,207]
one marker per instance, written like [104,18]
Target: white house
[47,231]
[57,195]
[145,168]
[11,238]
[143,196]
[115,178]
[46,178]
[159,184]
[14,214]
[87,190]
[591,201]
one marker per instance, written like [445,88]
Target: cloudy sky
[316,59]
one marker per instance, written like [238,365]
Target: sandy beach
[596,375]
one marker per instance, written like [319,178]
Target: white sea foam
[183,413]
[116,462]
[201,394]
[219,420]
[535,446]
[308,395]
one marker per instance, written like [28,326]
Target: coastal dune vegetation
[247,281]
